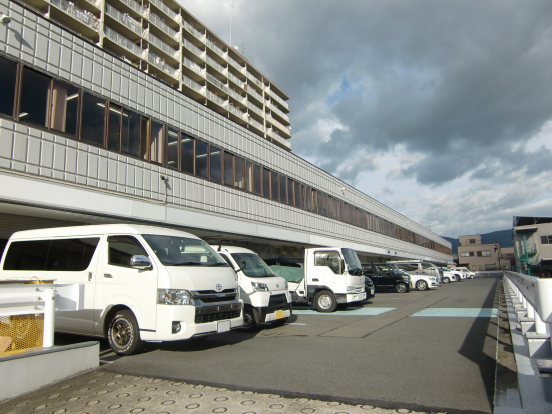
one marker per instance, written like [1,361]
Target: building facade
[533,245]
[88,136]
[481,257]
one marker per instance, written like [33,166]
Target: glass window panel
[34,97]
[274,186]
[266,183]
[249,176]
[201,159]
[65,101]
[8,72]
[172,148]
[283,197]
[156,142]
[144,138]
[187,154]
[239,172]
[314,201]
[130,132]
[122,248]
[93,119]
[215,164]
[228,169]
[27,255]
[114,127]
[297,192]
[290,191]
[257,178]
[68,255]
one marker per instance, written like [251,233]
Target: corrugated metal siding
[10,223]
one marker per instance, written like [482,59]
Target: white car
[422,282]
[469,274]
[449,275]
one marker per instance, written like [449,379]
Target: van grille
[277,300]
[211,296]
[217,313]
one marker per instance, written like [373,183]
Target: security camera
[5,19]
[163,178]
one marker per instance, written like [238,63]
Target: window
[201,159]
[27,255]
[215,166]
[484,253]
[329,259]
[71,255]
[466,254]
[289,191]
[505,266]
[114,127]
[175,250]
[239,172]
[172,148]
[490,267]
[35,88]
[546,239]
[156,142]
[473,268]
[471,241]
[92,124]
[122,248]
[257,180]
[228,169]
[283,197]
[297,193]
[8,72]
[480,267]
[266,183]
[187,154]
[249,176]
[65,102]
[132,133]
[274,186]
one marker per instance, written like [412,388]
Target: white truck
[329,276]
[265,296]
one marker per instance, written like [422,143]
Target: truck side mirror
[140,262]
[341,266]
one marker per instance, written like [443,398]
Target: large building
[533,245]
[480,257]
[117,111]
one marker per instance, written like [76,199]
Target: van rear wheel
[123,334]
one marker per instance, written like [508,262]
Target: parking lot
[427,351]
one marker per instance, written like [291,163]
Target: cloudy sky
[440,110]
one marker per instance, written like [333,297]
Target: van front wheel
[123,334]
[250,319]
[325,301]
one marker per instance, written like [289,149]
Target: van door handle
[89,276]
[108,275]
[315,280]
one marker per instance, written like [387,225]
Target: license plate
[372,291]
[223,326]
[279,314]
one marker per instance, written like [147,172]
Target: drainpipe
[526,255]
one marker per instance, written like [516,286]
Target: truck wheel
[123,334]
[250,319]
[324,301]
[421,285]
[446,280]
[401,288]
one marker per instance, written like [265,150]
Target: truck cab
[265,296]
[329,276]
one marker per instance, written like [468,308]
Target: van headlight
[286,285]
[259,287]
[351,289]
[174,297]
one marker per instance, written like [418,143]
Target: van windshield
[182,251]
[252,265]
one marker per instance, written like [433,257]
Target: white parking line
[302,324]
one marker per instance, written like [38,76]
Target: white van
[265,296]
[141,283]
[469,274]
[419,267]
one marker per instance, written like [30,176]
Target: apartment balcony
[237,81]
[134,8]
[216,103]
[280,126]
[255,109]
[224,88]
[175,16]
[277,99]
[76,18]
[164,28]
[120,45]
[275,111]
[213,63]
[278,140]
[256,81]
[237,115]
[212,45]
[123,23]
[161,70]
[257,126]
[236,65]
[172,53]
[196,33]
[195,89]
[241,99]
[196,51]
[258,98]
[194,67]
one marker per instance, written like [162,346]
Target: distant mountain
[502,237]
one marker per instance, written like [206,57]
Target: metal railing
[154,40]
[194,31]
[125,19]
[235,79]
[235,95]
[236,111]
[81,15]
[215,64]
[284,142]
[217,82]
[254,79]
[159,63]
[275,109]
[193,48]
[277,98]
[134,5]
[122,41]
[166,9]
[278,124]
[216,49]
[193,66]
[192,84]
[96,3]
[254,93]
[235,64]
[255,109]
[213,97]
[256,124]
[157,21]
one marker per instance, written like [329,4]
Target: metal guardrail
[213,97]
[216,82]
[81,15]
[157,21]
[160,64]
[215,64]
[166,9]
[137,7]
[216,49]
[194,31]
[154,40]
[122,41]
[192,84]
[193,66]
[193,48]
[124,19]
[536,291]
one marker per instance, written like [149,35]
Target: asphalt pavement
[430,351]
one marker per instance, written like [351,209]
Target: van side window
[27,255]
[71,255]
[122,248]
[329,259]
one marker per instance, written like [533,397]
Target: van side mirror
[140,262]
